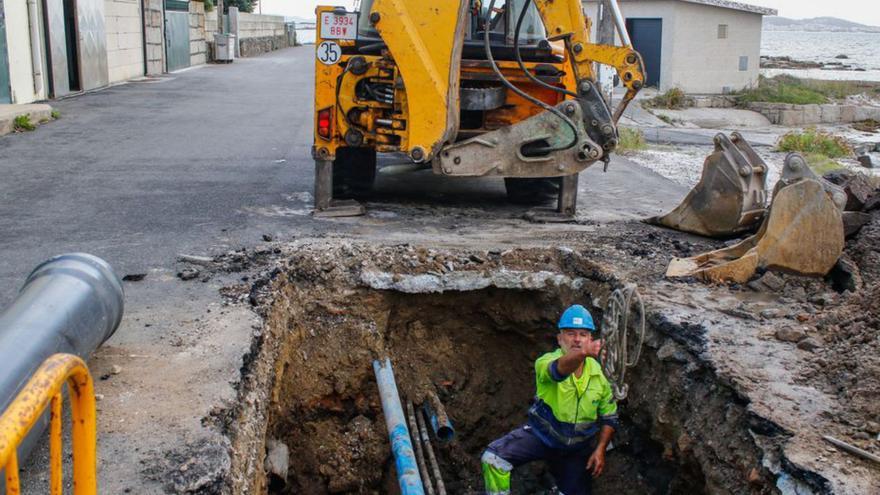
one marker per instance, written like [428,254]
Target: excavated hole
[476,349]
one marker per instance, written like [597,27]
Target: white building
[700,46]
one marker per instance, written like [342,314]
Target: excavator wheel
[532,191]
[354,172]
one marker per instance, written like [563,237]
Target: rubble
[853,221]
[188,274]
[791,334]
[857,187]
[277,458]
[809,344]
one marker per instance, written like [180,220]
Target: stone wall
[153,29]
[800,115]
[198,47]
[251,47]
[125,51]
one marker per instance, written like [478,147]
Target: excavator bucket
[802,234]
[730,197]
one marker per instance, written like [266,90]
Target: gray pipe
[440,422]
[71,303]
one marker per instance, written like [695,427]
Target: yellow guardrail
[44,388]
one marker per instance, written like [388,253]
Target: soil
[850,369]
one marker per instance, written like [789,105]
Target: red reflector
[324,123]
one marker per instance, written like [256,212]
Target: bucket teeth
[730,197]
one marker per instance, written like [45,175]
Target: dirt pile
[850,364]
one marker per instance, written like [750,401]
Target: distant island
[775,23]
[299,20]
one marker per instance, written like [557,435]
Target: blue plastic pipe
[395,421]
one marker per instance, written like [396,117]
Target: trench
[683,431]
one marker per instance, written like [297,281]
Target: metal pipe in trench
[404,459]
[420,455]
[435,467]
[71,303]
[440,422]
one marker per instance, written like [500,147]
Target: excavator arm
[565,20]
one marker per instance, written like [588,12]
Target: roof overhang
[724,4]
[728,4]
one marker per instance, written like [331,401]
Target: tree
[243,5]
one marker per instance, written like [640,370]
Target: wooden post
[220,16]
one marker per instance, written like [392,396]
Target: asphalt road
[203,162]
[140,172]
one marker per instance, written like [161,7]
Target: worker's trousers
[521,446]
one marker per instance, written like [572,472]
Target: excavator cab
[465,88]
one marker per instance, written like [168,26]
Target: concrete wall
[693,58]
[18,43]
[125,52]
[805,115]
[258,26]
[702,63]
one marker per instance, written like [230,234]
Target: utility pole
[605,36]
[220,16]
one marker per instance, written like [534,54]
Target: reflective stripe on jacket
[568,410]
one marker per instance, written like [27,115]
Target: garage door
[177,34]
[647,39]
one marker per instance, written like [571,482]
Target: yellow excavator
[508,88]
[468,88]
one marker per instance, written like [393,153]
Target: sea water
[823,46]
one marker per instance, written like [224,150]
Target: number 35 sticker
[329,53]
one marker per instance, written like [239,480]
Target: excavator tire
[354,172]
[532,191]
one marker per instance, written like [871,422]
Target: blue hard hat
[577,316]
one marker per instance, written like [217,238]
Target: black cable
[522,66]
[339,105]
[553,110]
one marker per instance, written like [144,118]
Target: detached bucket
[803,234]
[731,194]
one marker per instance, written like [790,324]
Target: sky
[861,11]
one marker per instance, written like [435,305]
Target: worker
[572,418]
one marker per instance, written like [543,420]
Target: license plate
[338,26]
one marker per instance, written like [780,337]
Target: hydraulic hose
[523,94]
[522,66]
